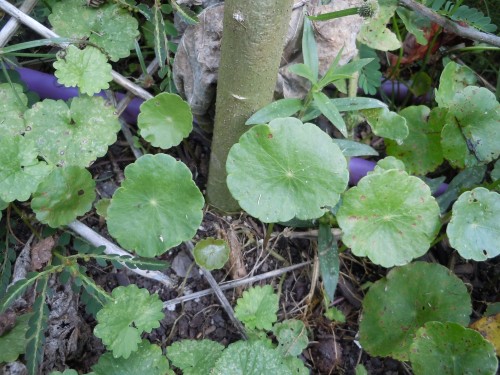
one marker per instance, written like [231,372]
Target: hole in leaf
[485,253]
[80,192]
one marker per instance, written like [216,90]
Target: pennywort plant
[283,169]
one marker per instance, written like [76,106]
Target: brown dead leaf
[7,321]
[489,327]
[41,253]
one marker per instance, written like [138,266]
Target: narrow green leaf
[279,108]
[344,105]
[303,70]
[333,15]
[187,15]
[328,256]
[160,38]
[343,72]
[310,49]
[330,111]
[35,336]
[352,149]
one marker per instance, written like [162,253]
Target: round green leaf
[165,202]
[63,195]
[387,163]
[211,254]
[250,358]
[88,69]
[147,359]
[20,169]
[410,296]
[109,27]
[72,136]
[421,150]
[474,228]
[286,170]
[449,349]
[390,217]
[121,323]
[165,120]
[471,133]
[387,124]
[12,109]
[453,78]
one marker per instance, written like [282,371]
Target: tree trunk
[252,45]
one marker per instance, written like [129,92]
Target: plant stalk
[252,45]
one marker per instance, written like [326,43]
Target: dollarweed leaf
[211,253]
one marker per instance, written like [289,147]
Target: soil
[333,347]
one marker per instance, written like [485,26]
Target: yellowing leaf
[489,327]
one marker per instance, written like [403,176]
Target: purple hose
[46,86]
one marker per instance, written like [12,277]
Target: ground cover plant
[428,208]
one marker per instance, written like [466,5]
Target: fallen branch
[451,26]
[233,284]
[97,240]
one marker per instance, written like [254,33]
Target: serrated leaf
[386,164]
[109,27]
[328,256]
[386,124]
[35,335]
[20,169]
[474,228]
[421,149]
[374,32]
[12,109]
[250,358]
[330,111]
[147,359]
[88,69]
[296,366]
[390,217]
[352,148]
[310,49]
[13,343]
[211,253]
[286,170]
[74,135]
[165,120]
[194,357]
[166,203]
[471,133]
[395,307]
[370,77]
[449,349]
[335,315]
[279,108]
[63,195]
[454,78]
[292,337]
[257,308]
[121,323]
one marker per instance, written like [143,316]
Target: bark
[252,45]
